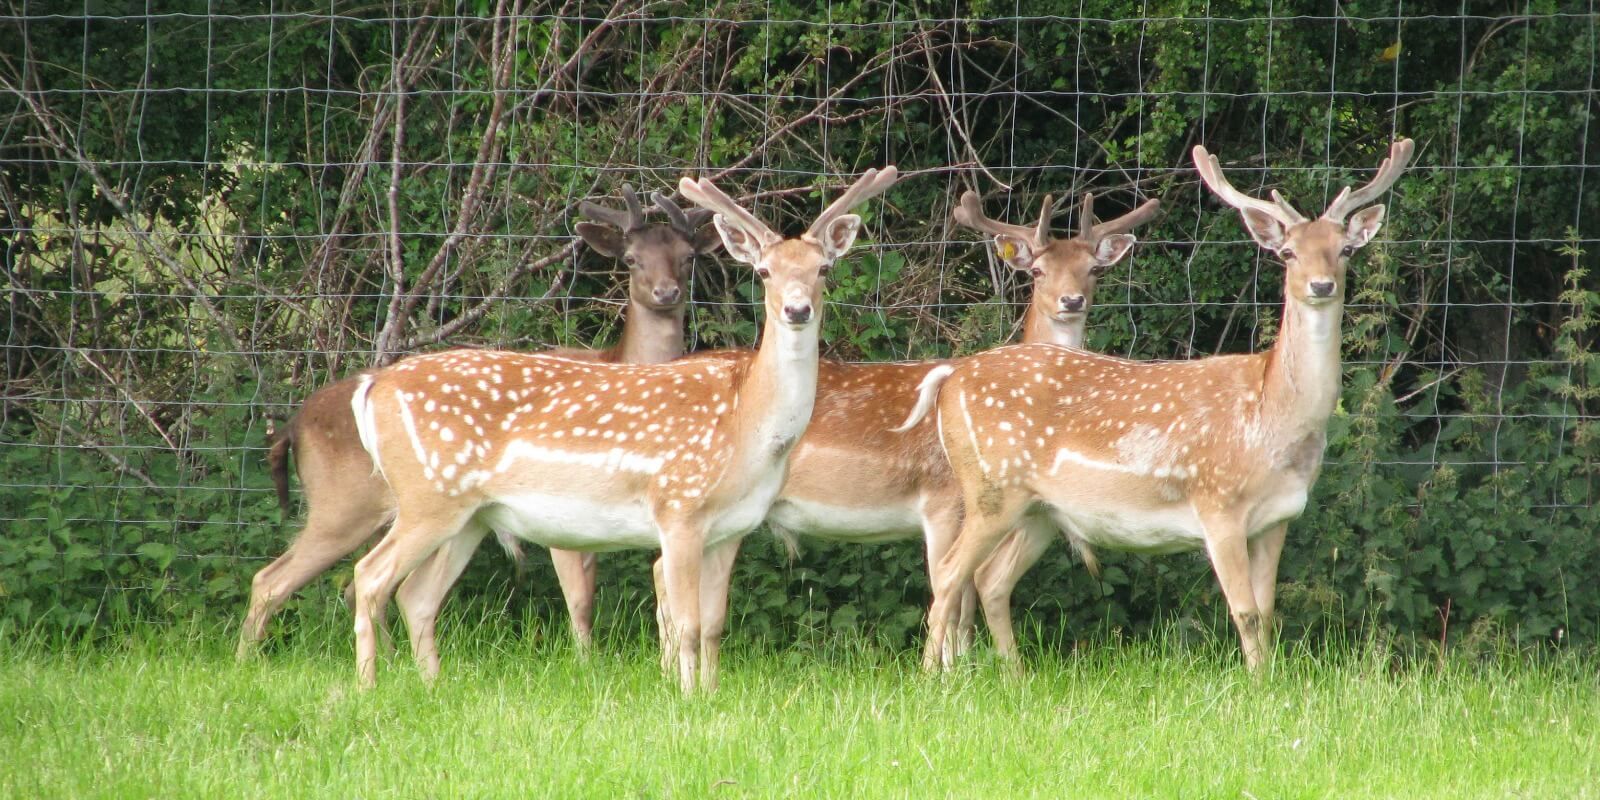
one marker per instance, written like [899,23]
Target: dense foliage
[198,231]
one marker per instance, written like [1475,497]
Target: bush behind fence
[196,233]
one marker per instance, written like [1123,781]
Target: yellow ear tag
[1007,250]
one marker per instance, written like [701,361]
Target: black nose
[667,294]
[1321,288]
[1074,302]
[798,314]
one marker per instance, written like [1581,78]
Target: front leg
[716,573]
[1228,550]
[1265,550]
[575,572]
[682,551]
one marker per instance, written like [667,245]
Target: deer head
[1064,271]
[659,257]
[1314,251]
[791,270]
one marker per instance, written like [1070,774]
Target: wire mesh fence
[208,211]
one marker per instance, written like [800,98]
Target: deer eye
[1286,254]
[763,273]
[630,259]
[1347,251]
[1036,272]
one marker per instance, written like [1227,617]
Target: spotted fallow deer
[347,503]
[685,456]
[1217,453]
[850,478]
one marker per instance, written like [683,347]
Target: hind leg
[414,537]
[999,575]
[331,533]
[423,591]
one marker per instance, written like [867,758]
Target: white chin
[1319,301]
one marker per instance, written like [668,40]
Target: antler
[1092,232]
[705,194]
[970,214]
[872,183]
[1211,172]
[630,220]
[1347,201]
[683,223]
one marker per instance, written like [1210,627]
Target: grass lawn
[169,714]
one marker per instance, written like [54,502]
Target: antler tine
[635,212]
[1144,213]
[872,183]
[1041,232]
[1086,225]
[1389,171]
[1211,172]
[675,215]
[704,193]
[970,214]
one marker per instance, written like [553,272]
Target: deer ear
[1364,225]
[1112,248]
[838,235]
[742,246]
[1014,251]
[605,240]
[1265,229]
[706,239]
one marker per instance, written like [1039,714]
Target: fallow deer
[347,503]
[686,456]
[850,478]
[1217,453]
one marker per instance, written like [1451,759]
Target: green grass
[169,714]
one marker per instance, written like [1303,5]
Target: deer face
[1065,271]
[660,259]
[793,271]
[1315,252]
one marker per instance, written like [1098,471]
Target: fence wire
[197,229]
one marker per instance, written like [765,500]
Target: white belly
[1164,530]
[572,523]
[886,523]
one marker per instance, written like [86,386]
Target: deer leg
[999,575]
[658,572]
[329,535]
[576,572]
[411,539]
[682,551]
[423,592]
[983,526]
[716,573]
[941,521]
[1230,559]
[1264,552]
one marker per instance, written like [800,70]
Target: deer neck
[1041,328]
[777,395]
[1301,384]
[650,336]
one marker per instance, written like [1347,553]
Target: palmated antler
[704,193]
[970,214]
[1211,172]
[1091,232]
[630,220]
[1347,201]
[872,183]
